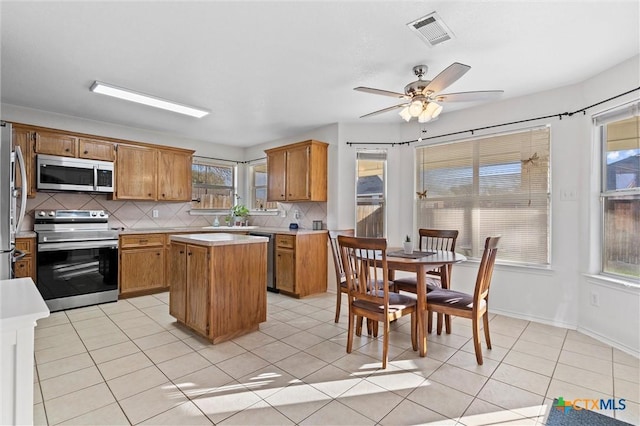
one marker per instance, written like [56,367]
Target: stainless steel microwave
[74,174]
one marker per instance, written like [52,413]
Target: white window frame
[267,206]
[197,201]
[372,155]
[475,238]
[600,122]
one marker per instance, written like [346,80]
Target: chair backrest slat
[485,271]
[438,239]
[335,251]
[365,265]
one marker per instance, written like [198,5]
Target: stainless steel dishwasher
[271,270]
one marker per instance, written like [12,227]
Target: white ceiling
[269,70]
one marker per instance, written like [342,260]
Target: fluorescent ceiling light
[129,95]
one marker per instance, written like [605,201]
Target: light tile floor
[131,363]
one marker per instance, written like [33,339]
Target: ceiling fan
[421,95]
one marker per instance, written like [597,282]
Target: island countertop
[218,239]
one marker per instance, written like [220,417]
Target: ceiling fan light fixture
[433,109]
[141,98]
[406,116]
[424,116]
[415,108]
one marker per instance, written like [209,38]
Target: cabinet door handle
[67,150]
[86,152]
[189,253]
[143,241]
[181,252]
[158,254]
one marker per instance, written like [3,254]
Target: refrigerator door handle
[23,188]
[18,254]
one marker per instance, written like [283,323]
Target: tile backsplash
[139,214]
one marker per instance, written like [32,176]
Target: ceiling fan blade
[446,78]
[384,110]
[480,95]
[381,92]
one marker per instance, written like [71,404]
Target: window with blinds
[494,185]
[619,132]
[371,192]
[258,176]
[213,184]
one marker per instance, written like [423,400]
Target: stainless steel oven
[77,258]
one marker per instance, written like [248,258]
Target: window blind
[494,185]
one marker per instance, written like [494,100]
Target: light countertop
[26,234]
[222,229]
[218,239]
[20,303]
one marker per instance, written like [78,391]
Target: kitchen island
[218,283]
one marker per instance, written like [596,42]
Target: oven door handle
[77,245]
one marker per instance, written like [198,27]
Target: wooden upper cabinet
[96,149]
[56,144]
[277,175]
[299,171]
[143,171]
[135,173]
[24,139]
[174,176]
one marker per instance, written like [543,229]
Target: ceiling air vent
[431,29]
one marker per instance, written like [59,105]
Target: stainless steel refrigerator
[11,214]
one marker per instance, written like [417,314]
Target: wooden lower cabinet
[26,266]
[198,298]
[177,279]
[218,291]
[142,263]
[285,265]
[301,264]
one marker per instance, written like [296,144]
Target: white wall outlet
[595,299]
[283,213]
[155,213]
[569,194]
[296,214]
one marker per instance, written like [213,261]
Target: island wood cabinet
[142,263]
[218,291]
[301,264]
[297,172]
[189,277]
[26,266]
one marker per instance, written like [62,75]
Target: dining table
[419,262]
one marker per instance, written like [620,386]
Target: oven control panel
[76,215]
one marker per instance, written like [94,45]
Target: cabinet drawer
[286,241]
[25,245]
[22,268]
[147,240]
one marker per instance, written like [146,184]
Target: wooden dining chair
[341,280]
[473,306]
[432,239]
[366,270]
